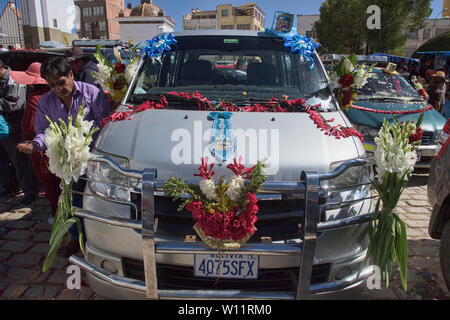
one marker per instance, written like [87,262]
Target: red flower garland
[336,131]
[273,105]
[391,112]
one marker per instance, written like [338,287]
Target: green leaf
[59,236]
[419,122]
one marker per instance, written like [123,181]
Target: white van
[312,228]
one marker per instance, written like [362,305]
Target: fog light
[110,266]
[342,273]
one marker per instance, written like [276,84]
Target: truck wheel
[445,254]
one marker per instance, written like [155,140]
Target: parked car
[439,197]
[19,60]
[392,92]
[312,228]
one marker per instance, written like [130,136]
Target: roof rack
[104,42]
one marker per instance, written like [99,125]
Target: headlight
[367,132]
[107,182]
[352,185]
[439,137]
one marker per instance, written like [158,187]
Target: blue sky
[176,8]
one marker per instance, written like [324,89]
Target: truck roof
[234,33]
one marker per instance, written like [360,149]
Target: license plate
[240,266]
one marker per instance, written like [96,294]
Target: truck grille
[181,277]
[278,219]
[427,137]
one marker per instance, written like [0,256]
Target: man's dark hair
[55,67]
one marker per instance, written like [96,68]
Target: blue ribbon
[222,144]
[159,44]
[302,46]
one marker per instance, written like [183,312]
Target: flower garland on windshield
[115,78]
[273,105]
[346,79]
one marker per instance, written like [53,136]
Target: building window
[87,12]
[224,13]
[243,27]
[55,23]
[98,11]
[87,27]
[311,34]
[226,27]
[102,25]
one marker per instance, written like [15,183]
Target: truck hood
[432,120]
[173,142]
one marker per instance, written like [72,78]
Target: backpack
[4,128]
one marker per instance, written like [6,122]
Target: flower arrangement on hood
[224,211]
[395,158]
[346,79]
[419,87]
[115,78]
[68,153]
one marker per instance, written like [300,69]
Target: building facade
[11,25]
[433,28]
[45,20]
[99,19]
[144,22]
[305,25]
[226,17]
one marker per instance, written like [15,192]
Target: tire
[445,254]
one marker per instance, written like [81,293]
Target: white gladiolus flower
[68,151]
[208,188]
[392,155]
[348,66]
[360,78]
[234,188]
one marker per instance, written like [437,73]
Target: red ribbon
[391,112]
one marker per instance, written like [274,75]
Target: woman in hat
[32,78]
[436,90]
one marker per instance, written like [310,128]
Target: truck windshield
[234,69]
[388,86]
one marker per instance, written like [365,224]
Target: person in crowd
[11,48]
[64,99]
[82,66]
[436,90]
[12,103]
[38,87]
[10,185]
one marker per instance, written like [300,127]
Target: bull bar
[308,186]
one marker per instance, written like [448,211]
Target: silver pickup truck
[314,208]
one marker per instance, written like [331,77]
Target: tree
[342,27]
[397,18]
[438,43]
[334,32]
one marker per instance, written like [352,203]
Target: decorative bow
[221,115]
[159,44]
[301,45]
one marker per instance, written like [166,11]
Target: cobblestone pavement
[24,236]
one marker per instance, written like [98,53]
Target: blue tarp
[396,59]
[436,53]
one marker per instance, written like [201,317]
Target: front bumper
[426,154]
[117,286]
